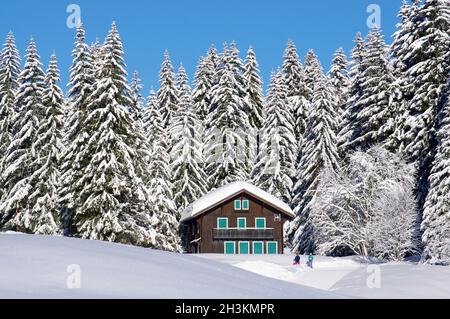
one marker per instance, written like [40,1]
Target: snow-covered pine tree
[227,125]
[297,92]
[167,93]
[276,166]
[338,76]
[189,179]
[213,58]
[254,88]
[320,152]
[21,154]
[97,53]
[43,200]
[313,71]
[203,83]
[202,89]
[113,198]
[248,154]
[375,122]
[348,119]
[137,106]
[149,118]
[82,73]
[436,216]
[401,88]
[428,67]
[9,74]
[163,208]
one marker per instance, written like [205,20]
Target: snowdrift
[42,267]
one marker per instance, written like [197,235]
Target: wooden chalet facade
[235,219]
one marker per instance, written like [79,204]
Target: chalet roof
[220,195]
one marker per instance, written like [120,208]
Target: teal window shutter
[245,204]
[237,204]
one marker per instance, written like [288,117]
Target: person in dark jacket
[297,260]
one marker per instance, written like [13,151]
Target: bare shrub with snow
[366,208]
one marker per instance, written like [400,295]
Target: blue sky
[188,28]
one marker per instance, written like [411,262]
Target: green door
[244,248]
[272,248]
[230,248]
[258,248]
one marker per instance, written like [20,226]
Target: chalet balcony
[247,234]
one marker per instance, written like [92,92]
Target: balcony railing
[243,233]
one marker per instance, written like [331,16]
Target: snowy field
[351,276]
[37,267]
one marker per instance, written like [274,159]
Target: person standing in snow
[310,261]
[297,260]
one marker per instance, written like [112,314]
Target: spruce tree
[149,118]
[76,135]
[9,74]
[189,180]
[112,197]
[338,76]
[276,167]
[374,122]
[401,88]
[226,139]
[20,160]
[163,208]
[254,88]
[436,217]
[427,70]
[348,120]
[202,89]
[298,94]
[167,93]
[313,71]
[49,148]
[320,152]
[137,105]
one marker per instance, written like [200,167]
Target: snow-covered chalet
[238,218]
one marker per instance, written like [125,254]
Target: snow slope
[37,267]
[349,276]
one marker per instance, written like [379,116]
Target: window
[277,218]
[258,248]
[222,223]
[245,204]
[272,248]
[242,223]
[260,223]
[244,248]
[230,248]
[237,204]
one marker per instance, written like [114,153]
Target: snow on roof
[224,193]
